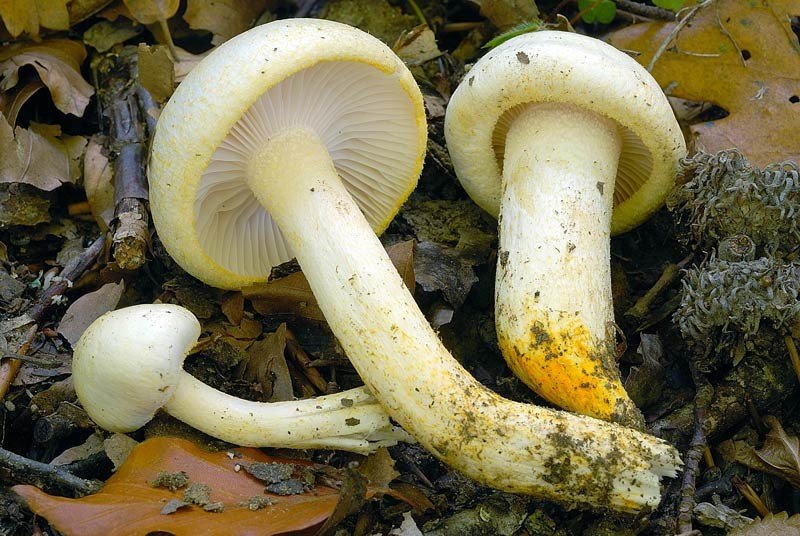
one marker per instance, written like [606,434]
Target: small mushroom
[548,132]
[313,133]
[128,364]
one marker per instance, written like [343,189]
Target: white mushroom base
[553,303]
[507,445]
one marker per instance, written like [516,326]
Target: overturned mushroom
[548,131]
[128,364]
[307,123]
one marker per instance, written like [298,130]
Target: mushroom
[307,123]
[547,132]
[128,364]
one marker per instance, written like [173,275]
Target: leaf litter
[270,342]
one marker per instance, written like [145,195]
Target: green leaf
[672,5]
[602,11]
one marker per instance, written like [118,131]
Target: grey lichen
[724,195]
[734,297]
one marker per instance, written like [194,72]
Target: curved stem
[352,420]
[508,445]
[553,304]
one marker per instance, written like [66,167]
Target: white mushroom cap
[124,378]
[561,67]
[335,80]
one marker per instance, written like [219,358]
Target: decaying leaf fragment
[89,308]
[223,18]
[150,11]
[28,16]
[58,64]
[741,56]
[771,525]
[38,156]
[781,452]
[507,13]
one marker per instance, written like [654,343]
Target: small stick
[317,363]
[690,471]
[708,458]
[793,354]
[71,272]
[751,496]
[670,274]
[44,475]
[755,417]
[299,355]
[300,381]
[642,305]
[453,27]
[79,208]
[118,99]
[651,12]
[674,33]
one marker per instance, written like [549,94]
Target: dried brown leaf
[292,294]
[98,182]
[417,46]
[402,256]
[445,269]
[233,307]
[266,364]
[105,34]
[223,18]
[781,452]
[379,469]
[352,496]
[89,308]
[505,14]
[57,63]
[31,158]
[27,16]
[156,72]
[12,101]
[150,11]
[772,525]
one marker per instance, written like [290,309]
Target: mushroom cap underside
[126,364]
[561,67]
[341,83]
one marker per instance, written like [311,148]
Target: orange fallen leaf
[129,504]
[741,56]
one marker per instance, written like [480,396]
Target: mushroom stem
[351,420]
[553,303]
[507,445]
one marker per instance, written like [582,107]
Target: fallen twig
[118,98]
[44,475]
[303,360]
[690,472]
[71,272]
[690,13]
[644,10]
[670,274]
